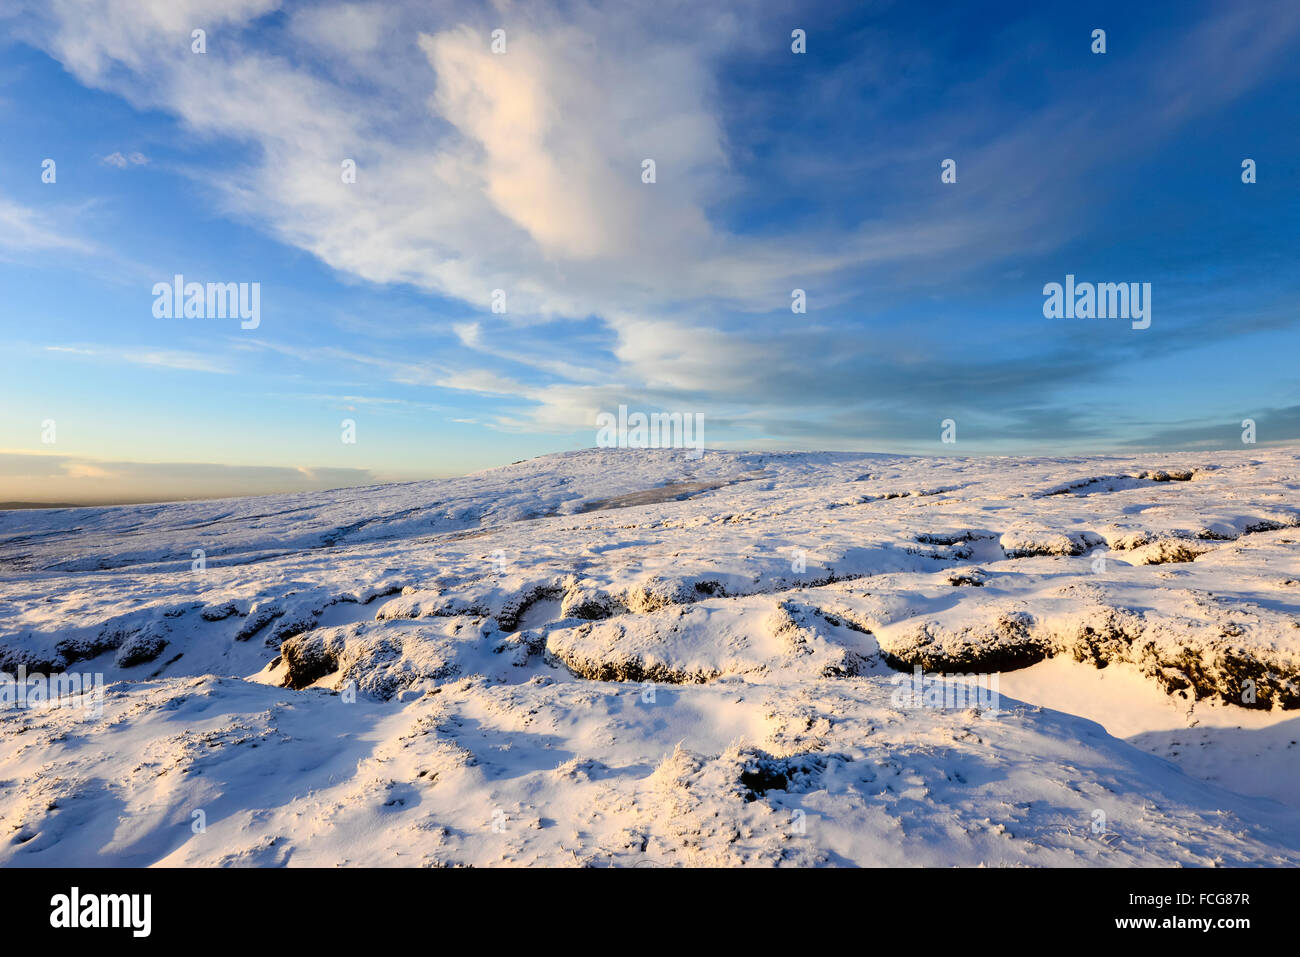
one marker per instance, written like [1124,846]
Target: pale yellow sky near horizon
[58,478]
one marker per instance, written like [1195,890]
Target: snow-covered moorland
[629,657]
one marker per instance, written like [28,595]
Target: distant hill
[12,505]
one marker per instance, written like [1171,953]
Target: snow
[632,657]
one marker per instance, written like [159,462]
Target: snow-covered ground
[628,657]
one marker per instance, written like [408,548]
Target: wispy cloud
[123,161]
[23,229]
[148,356]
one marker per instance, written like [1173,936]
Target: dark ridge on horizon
[108,503]
[14,506]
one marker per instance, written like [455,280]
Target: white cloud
[529,180]
[24,229]
[162,358]
[122,162]
[348,30]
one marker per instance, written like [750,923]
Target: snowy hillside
[630,657]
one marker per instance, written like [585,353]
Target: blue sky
[522,172]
